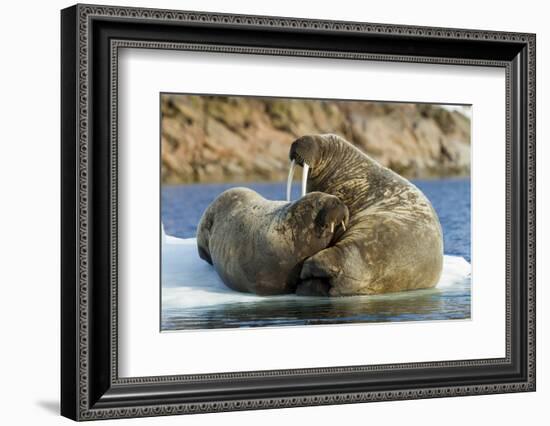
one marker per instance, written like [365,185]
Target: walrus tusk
[331,227]
[289,179]
[343,226]
[304,178]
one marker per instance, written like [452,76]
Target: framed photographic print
[263,212]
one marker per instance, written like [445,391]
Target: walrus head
[326,212]
[306,152]
[333,214]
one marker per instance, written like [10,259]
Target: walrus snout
[305,150]
[333,214]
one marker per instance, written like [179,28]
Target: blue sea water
[183,205]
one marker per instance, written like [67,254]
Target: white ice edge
[189,282]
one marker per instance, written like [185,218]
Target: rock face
[238,139]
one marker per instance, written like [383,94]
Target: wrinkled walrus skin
[394,240]
[258,246]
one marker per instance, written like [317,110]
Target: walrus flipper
[203,235]
[313,287]
[321,265]
[204,255]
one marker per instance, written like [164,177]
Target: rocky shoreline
[237,139]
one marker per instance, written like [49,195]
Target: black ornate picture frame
[90,38]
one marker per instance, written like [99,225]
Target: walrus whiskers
[289,179]
[304,178]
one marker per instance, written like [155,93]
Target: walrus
[258,246]
[393,241]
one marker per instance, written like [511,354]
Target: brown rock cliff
[232,139]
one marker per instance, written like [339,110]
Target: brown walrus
[258,246]
[394,239]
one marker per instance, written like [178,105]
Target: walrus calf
[258,246]
[393,241]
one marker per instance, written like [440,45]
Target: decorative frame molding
[91,388]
